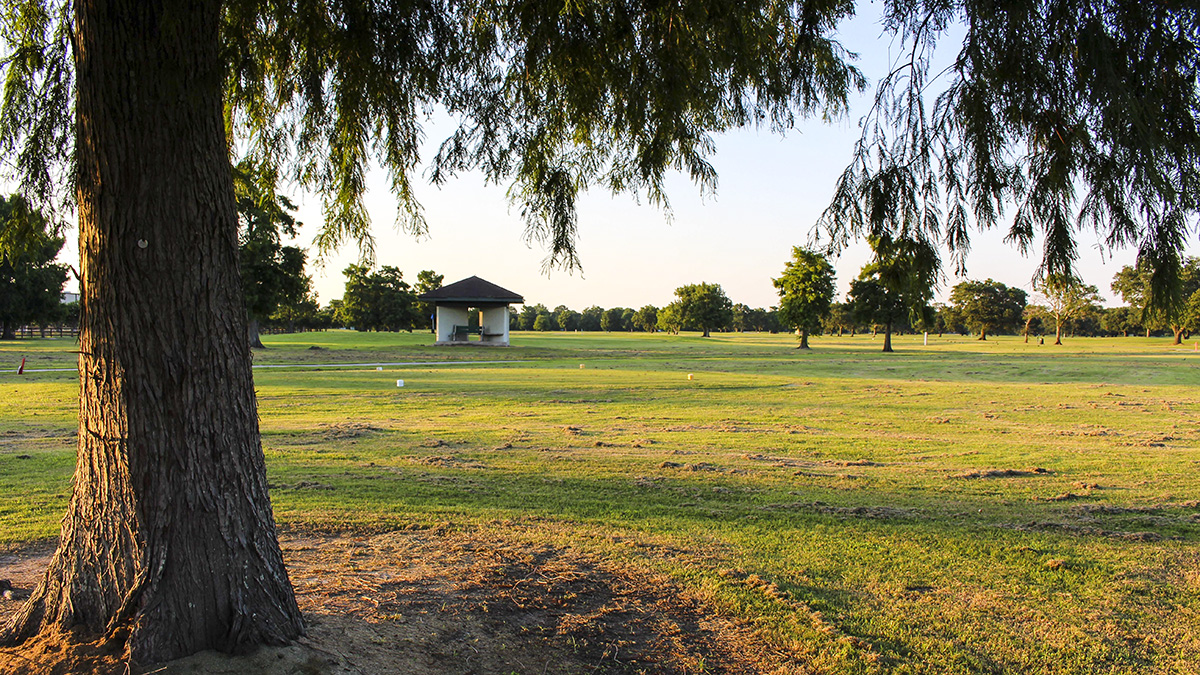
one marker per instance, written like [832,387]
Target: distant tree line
[702,307]
[892,293]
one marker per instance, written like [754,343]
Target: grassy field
[958,507]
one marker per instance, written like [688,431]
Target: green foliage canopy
[806,290]
[1171,309]
[897,285]
[548,98]
[987,306]
[379,301]
[1067,297]
[30,281]
[272,274]
[1078,115]
[703,307]
[427,280]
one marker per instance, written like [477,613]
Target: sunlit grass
[960,506]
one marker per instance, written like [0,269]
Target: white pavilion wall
[447,319]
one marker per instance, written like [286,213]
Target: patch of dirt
[1061,497]
[446,461]
[697,466]
[777,461]
[34,431]
[1085,530]
[1089,430]
[1004,473]
[344,430]
[435,601]
[851,462]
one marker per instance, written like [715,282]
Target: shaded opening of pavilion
[454,302]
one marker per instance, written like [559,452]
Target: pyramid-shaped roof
[471,289]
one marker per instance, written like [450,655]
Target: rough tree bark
[803,339]
[887,336]
[169,542]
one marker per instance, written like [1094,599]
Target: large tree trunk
[1058,332]
[1178,335]
[887,337]
[982,333]
[169,542]
[803,339]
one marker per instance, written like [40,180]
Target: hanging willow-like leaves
[1073,113]
[550,98]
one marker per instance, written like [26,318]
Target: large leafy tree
[303,312]
[1067,298]
[170,488]
[613,319]
[1055,117]
[897,285]
[566,318]
[646,319]
[669,320]
[589,319]
[379,301]
[31,282]
[272,274]
[1120,320]
[806,290]
[988,306]
[1159,308]
[428,280]
[703,307]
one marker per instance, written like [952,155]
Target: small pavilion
[453,303]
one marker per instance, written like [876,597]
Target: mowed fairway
[958,507]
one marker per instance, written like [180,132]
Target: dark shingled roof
[471,289]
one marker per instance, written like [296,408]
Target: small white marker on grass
[379,368]
[399,383]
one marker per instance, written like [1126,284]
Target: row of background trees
[895,289]
[892,293]
[382,301]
